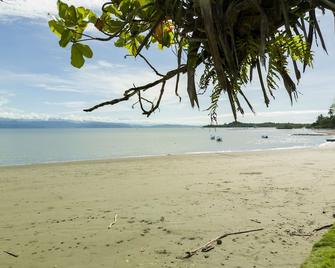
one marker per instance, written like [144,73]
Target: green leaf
[77,58]
[78,32]
[62,8]
[114,10]
[82,13]
[125,6]
[71,16]
[145,2]
[78,52]
[115,25]
[92,17]
[120,42]
[56,28]
[66,37]
[85,50]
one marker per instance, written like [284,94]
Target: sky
[38,82]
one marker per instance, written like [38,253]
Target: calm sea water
[28,146]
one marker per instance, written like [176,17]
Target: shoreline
[58,214]
[322,145]
[330,132]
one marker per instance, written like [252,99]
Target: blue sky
[38,82]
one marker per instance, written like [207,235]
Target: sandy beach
[57,215]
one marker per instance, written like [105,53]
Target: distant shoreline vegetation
[325,121]
[260,125]
[322,122]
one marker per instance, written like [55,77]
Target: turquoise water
[28,146]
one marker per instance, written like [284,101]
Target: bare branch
[112,102]
[328,4]
[155,107]
[210,244]
[135,90]
[150,65]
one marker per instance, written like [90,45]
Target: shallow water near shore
[30,146]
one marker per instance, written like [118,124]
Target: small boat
[330,140]
[265,137]
[212,138]
[218,139]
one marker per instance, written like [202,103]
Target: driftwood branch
[323,227]
[112,223]
[11,254]
[312,232]
[211,244]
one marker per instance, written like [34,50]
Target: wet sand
[330,132]
[57,215]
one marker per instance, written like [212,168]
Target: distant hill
[19,123]
[258,125]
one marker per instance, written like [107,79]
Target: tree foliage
[230,39]
[326,121]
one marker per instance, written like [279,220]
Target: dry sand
[56,215]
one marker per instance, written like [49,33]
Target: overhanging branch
[137,90]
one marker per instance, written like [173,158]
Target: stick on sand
[112,223]
[210,244]
[11,254]
[323,227]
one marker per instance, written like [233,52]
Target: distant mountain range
[55,123]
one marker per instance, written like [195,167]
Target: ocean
[29,146]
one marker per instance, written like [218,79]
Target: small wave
[248,150]
[327,145]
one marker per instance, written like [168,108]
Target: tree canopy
[230,39]
[326,121]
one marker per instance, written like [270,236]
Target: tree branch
[132,91]
[150,65]
[112,102]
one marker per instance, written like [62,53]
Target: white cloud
[3,100]
[40,9]
[100,79]
[20,115]
[290,113]
[68,104]
[8,114]
[294,116]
